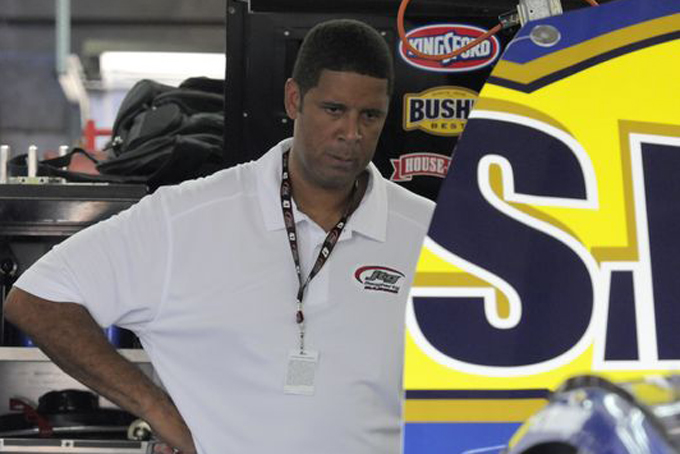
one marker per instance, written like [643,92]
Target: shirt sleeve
[115,268]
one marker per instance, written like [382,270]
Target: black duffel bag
[162,135]
[168,134]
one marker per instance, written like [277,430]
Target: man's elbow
[13,305]
[21,307]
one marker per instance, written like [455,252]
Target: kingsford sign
[442,39]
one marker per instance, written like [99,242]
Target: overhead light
[124,69]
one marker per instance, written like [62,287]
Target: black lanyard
[326,249]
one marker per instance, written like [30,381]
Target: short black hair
[342,45]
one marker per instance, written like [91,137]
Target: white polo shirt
[202,272]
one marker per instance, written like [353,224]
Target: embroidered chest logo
[379,278]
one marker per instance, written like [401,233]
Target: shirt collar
[369,219]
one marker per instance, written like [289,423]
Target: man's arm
[67,333]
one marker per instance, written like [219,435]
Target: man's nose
[351,127]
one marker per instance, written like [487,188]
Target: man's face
[337,126]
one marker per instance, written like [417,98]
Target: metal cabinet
[34,218]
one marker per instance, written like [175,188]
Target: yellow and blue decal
[554,249]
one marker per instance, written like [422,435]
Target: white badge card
[301,372]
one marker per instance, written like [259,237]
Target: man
[274,323]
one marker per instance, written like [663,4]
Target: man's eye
[333,110]
[371,115]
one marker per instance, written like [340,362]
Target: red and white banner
[419,164]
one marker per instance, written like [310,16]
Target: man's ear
[292,99]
